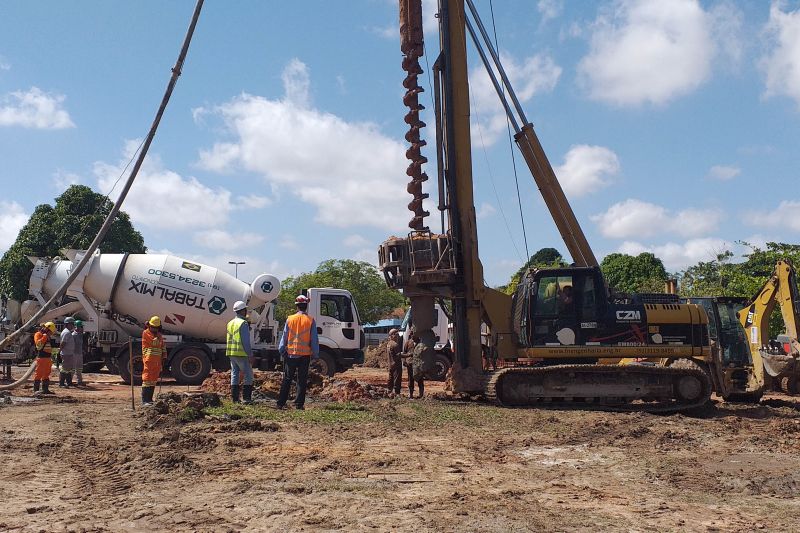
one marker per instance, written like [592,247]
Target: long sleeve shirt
[244,333]
[314,339]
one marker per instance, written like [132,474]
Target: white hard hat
[302,299]
[239,305]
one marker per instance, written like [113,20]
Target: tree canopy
[72,223]
[642,273]
[543,258]
[373,298]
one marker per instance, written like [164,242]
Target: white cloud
[485,210]
[290,243]
[34,109]
[390,31]
[648,51]
[549,9]
[782,64]
[786,215]
[350,171]
[637,219]
[253,201]
[587,169]
[723,172]
[355,241]
[161,198]
[677,256]
[216,239]
[534,75]
[368,255]
[63,180]
[12,218]
[4,64]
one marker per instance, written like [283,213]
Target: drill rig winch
[558,338]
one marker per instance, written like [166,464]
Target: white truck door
[337,317]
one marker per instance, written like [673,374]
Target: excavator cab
[563,306]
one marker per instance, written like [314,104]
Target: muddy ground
[83,461]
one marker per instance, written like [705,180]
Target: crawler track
[627,388]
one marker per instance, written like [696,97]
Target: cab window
[336,306]
[554,296]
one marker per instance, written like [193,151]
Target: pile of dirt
[266,385]
[375,356]
[172,408]
[340,390]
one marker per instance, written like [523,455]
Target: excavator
[777,361]
[558,337]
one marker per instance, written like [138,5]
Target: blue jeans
[241,364]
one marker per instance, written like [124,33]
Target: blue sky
[673,125]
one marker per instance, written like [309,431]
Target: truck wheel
[441,364]
[124,366]
[190,366]
[325,365]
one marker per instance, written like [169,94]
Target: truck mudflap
[629,388]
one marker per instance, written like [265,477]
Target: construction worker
[299,344]
[44,342]
[66,346]
[154,355]
[240,353]
[394,353]
[77,339]
[412,353]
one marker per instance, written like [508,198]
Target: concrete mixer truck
[116,294]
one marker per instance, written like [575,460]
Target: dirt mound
[350,390]
[375,356]
[172,408]
[266,385]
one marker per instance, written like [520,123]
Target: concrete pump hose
[88,255]
[22,380]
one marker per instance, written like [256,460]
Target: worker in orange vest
[154,356]
[44,342]
[299,344]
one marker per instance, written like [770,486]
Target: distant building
[375,333]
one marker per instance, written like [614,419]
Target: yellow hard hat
[154,321]
[50,326]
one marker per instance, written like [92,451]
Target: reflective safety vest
[235,346]
[44,347]
[298,335]
[153,345]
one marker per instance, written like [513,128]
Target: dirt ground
[84,461]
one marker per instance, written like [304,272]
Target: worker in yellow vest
[299,344]
[240,353]
[154,355]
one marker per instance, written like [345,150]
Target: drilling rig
[559,337]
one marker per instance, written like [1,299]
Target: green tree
[544,258]
[72,223]
[642,273]
[373,298]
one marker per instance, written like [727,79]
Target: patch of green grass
[324,414]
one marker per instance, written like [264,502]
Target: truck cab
[341,335]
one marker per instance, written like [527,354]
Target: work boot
[61,379]
[36,384]
[235,393]
[46,387]
[247,393]
[69,380]
[147,395]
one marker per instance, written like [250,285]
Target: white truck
[116,294]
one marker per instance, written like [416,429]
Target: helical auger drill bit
[412,46]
